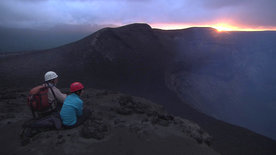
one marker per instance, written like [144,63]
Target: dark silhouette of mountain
[197,67]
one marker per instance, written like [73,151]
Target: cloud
[52,12]
[216,4]
[247,12]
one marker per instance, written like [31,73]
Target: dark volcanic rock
[100,128]
[162,119]
[129,106]
[94,129]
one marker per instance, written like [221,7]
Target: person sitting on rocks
[48,116]
[72,113]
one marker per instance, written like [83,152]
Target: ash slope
[119,124]
[158,65]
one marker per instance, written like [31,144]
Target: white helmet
[50,76]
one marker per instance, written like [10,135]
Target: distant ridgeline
[15,39]
[227,75]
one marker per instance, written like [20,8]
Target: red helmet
[76,86]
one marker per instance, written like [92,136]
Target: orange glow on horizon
[219,27]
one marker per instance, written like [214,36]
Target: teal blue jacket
[71,109]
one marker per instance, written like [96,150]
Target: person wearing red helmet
[76,87]
[72,110]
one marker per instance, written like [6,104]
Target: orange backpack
[38,98]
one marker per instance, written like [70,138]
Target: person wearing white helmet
[48,118]
[54,94]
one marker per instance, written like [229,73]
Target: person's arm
[79,109]
[59,95]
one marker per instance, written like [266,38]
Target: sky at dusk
[255,14]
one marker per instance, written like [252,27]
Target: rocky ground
[119,124]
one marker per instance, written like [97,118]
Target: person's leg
[42,123]
[34,127]
[52,121]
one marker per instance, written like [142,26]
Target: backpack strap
[53,95]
